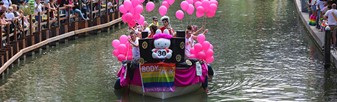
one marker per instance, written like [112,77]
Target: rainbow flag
[312,20]
[158,77]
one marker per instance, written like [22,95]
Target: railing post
[327,48]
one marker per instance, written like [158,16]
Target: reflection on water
[262,52]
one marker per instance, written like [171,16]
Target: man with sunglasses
[154,22]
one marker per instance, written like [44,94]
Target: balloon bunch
[203,50]
[202,7]
[165,5]
[122,48]
[132,10]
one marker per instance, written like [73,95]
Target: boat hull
[179,91]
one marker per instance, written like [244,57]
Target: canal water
[262,53]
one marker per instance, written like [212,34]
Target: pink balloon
[200,9]
[141,1]
[127,4]
[124,18]
[209,59]
[213,8]
[129,58]
[122,9]
[213,2]
[197,48]
[170,1]
[209,53]
[149,6]
[190,9]
[210,14]
[184,5]
[134,3]
[162,10]
[201,38]
[139,9]
[205,4]
[192,51]
[115,52]
[206,45]
[136,17]
[192,56]
[131,23]
[122,48]
[141,20]
[197,4]
[121,57]
[180,14]
[128,16]
[198,14]
[166,4]
[211,46]
[115,43]
[190,1]
[123,39]
[201,55]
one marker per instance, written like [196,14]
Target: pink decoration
[121,57]
[122,48]
[180,14]
[141,20]
[213,8]
[162,10]
[209,53]
[198,14]
[190,9]
[190,1]
[123,39]
[209,59]
[210,14]
[162,35]
[166,4]
[170,1]
[192,51]
[127,4]
[197,48]
[201,55]
[115,43]
[139,9]
[214,2]
[150,6]
[197,4]
[115,52]
[205,4]
[122,9]
[201,38]
[206,45]
[184,5]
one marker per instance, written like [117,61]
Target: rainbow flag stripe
[158,77]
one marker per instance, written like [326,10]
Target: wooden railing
[14,45]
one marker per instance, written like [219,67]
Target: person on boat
[153,30]
[154,21]
[191,36]
[135,45]
[166,25]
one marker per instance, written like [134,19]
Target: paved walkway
[314,32]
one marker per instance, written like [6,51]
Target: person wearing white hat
[166,25]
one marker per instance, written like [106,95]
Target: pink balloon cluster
[122,48]
[202,7]
[132,10]
[203,50]
[165,5]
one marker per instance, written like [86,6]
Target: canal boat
[162,70]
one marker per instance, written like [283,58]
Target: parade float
[163,70]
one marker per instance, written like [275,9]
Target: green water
[262,52]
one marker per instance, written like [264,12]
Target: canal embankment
[317,35]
